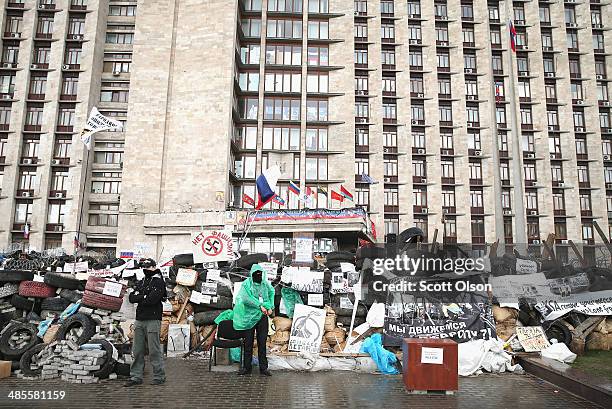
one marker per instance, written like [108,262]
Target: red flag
[248,199]
[346,193]
[337,196]
[373,229]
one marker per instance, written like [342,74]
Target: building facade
[463,136]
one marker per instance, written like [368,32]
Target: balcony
[447,152]
[39,66]
[60,161]
[36,97]
[12,34]
[65,128]
[68,97]
[477,210]
[418,151]
[362,148]
[14,5]
[449,210]
[391,209]
[9,65]
[448,180]
[46,5]
[32,128]
[419,179]
[43,36]
[71,67]
[475,182]
[530,182]
[420,209]
[586,213]
[25,193]
[54,227]
[29,160]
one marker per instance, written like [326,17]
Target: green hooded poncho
[250,299]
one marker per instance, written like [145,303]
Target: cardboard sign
[303,250]
[179,337]
[337,281]
[315,300]
[209,288]
[166,306]
[76,267]
[306,329]
[113,289]
[213,275]
[346,303]
[186,277]
[271,270]
[212,246]
[432,356]
[307,280]
[526,266]
[532,339]
[195,297]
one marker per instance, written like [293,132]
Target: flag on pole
[368,179]
[321,191]
[346,193]
[307,196]
[512,36]
[278,200]
[293,188]
[337,196]
[96,123]
[75,242]
[248,199]
[26,231]
[266,185]
[498,92]
[373,228]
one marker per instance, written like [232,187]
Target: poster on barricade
[306,329]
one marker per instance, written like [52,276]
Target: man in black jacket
[148,294]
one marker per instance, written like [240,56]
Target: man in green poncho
[254,303]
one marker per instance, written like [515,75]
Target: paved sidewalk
[190,385]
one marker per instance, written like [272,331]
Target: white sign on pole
[432,355]
[96,123]
[306,329]
[212,246]
[307,280]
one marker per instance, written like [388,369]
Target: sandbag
[280,337]
[335,337]
[282,324]
[504,314]
[330,322]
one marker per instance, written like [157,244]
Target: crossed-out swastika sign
[212,245]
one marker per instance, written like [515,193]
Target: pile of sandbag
[601,337]
[505,321]
[279,341]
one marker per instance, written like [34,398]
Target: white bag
[559,352]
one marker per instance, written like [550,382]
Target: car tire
[13,351]
[15,276]
[247,261]
[36,289]
[25,363]
[61,280]
[71,295]
[54,304]
[109,361]
[22,303]
[206,317]
[105,302]
[78,328]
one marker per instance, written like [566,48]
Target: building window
[316,139]
[316,168]
[362,165]
[318,6]
[250,54]
[319,83]
[120,34]
[390,167]
[249,81]
[361,57]
[76,27]
[318,56]
[56,213]
[391,197]
[122,10]
[316,110]
[318,29]
[388,57]
[38,85]
[23,212]
[73,56]
[283,29]
[277,138]
[362,137]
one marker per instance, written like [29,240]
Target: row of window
[245,166]
[285,55]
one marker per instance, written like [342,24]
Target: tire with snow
[61,280]
[371,252]
[25,363]
[15,276]
[247,261]
[8,290]
[36,289]
[78,328]
[109,361]
[22,303]
[122,369]
[184,260]
[71,295]
[54,304]
[206,317]
[105,302]
[17,339]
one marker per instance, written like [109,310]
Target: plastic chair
[224,343]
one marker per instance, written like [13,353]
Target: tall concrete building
[463,136]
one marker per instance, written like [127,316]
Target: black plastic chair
[234,339]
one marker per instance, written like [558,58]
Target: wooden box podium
[432,369]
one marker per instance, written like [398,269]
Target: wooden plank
[548,247]
[433,241]
[603,236]
[583,262]
[182,310]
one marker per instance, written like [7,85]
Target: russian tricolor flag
[266,185]
[278,200]
[293,188]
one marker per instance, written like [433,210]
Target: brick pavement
[190,385]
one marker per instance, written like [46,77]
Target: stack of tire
[94,296]
[333,263]
[365,259]
[68,291]
[205,314]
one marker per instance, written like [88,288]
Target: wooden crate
[429,377]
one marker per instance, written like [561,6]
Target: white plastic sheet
[488,355]
[315,363]
[559,352]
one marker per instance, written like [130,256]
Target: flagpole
[517,162]
[81,201]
